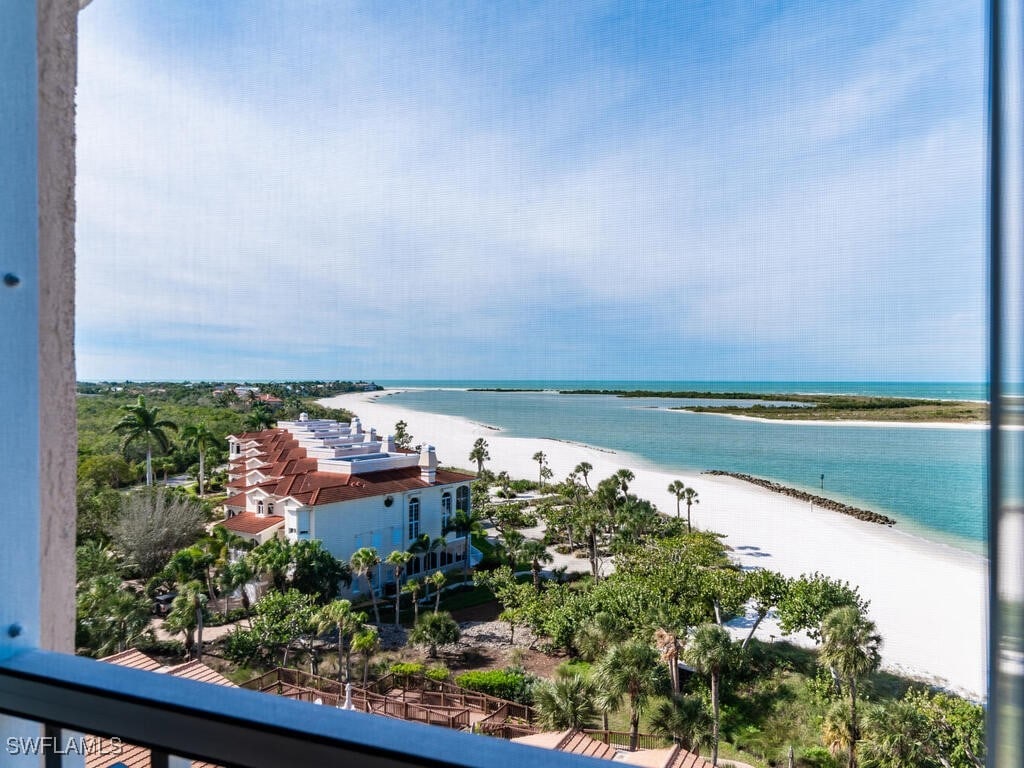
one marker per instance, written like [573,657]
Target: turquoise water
[930,480]
[929,389]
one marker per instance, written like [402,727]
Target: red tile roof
[316,488]
[247,522]
[238,501]
[133,659]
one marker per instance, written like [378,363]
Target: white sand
[927,599]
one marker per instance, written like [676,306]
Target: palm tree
[186,616]
[570,701]
[259,418]
[435,629]
[142,424]
[690,496]
[676,488]
[512,540]
[273,558]
[234,576]
[899,735]
[363,561]
[835,730]
[583,469]
[413,587]
[630,670]
[338,615]
[464,524]
[851,645]
[366,643]
[398,560]
[438,579]
[541,460]
[535,551]
[198,437]
[684,719]
[479,454]
[709,651]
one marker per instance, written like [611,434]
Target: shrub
[172,648]
[502,683]
[438,674]
[406,669]
[242,646]
[816,757]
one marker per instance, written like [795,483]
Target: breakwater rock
[861,514]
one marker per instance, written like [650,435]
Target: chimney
[387,445]
[428,464]
[373,435]
[357,426]
[303,417]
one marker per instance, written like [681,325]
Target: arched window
[446,510]
[414,518]
[270,508]
[259,507]
[462,498]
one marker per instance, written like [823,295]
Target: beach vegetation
[510,683]
[568,701]
[479,454]
[403,439]
[434,629]
[851,645]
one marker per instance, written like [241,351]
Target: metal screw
[14,630]
[11,280]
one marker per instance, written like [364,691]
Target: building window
[462,498]
[259,507]
[270,508]
[414,519]
[446,510]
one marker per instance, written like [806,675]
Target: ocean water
[931,480]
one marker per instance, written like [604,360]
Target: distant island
[804,407]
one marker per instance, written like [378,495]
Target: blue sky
[606,190]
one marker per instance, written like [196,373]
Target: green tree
[810,598]
[398,560]
[413,587]
[366,643]
[339,616]
[110,616]
[105,470]
[186,616]
[898,736]
[676,488]
[402,437]
[569,701]
[272,559]
[434,629]
[632,671]
[143,425]
[437,579]
[282,618]
[200,438]
[685,720]
[259,418]
[315,571]
[690,497]
[541,460]
[464,523]
[363,562]
[479,454]
[957,727]
[535,551]
[709,651]
[850,644]
[766,589]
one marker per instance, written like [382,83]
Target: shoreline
[927,598]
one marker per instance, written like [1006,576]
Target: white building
[322,479]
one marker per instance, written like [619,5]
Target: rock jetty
[820,501]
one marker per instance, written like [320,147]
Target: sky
[565,190]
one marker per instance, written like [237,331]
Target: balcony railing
[228,726]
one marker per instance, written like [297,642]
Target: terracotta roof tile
[247,522]
[133,659]
[238,501]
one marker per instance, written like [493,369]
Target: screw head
[11,280]
[14,630]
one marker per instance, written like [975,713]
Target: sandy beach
[927,599]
